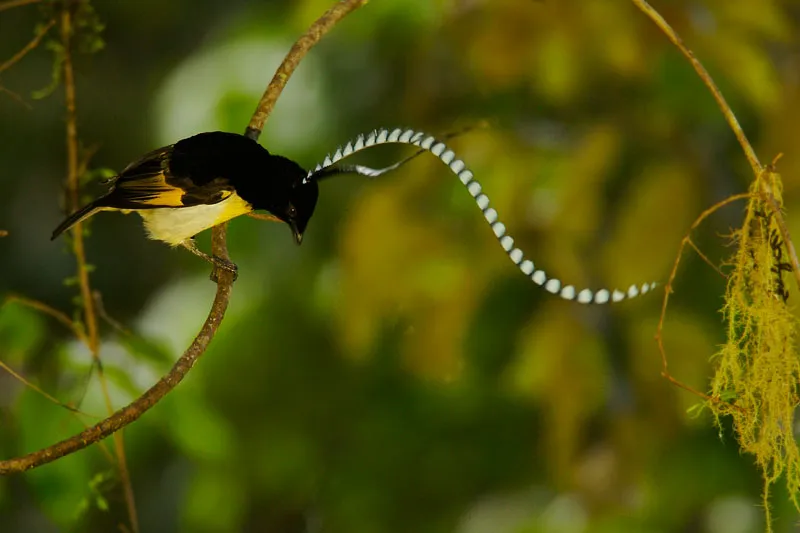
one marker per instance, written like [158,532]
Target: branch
[28,47]
[752,158]
[87,301]
[51,311]
[16,3]
[292,59]
[138,407]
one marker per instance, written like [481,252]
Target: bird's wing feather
[148,183]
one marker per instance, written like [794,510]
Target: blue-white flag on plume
[459,168]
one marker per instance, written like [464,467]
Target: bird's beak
[298,234]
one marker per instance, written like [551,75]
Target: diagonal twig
[668,289]
[16,3]
[13,60]
[50,311]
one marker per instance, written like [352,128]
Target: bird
[204,180]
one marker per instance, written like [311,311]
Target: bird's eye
[292,212]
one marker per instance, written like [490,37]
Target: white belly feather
[174,225]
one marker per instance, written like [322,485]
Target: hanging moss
[758,369]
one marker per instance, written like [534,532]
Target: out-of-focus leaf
[61,485]
[564,368]
[21,332]
[147,349]
[197,428]
[215,501]
[650,222]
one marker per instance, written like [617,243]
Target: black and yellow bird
[204,180]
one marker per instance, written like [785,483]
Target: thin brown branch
[292,59]
[22,379]
[705,258]
[3,233]
[13,60]
[101,312]
[17,98]
[51,311]
[668,289]
[87,300]
[752,158]
[141,405]
[16,3]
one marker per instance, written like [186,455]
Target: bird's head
[285,193]
[300,207]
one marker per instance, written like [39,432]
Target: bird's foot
[218,262]
[223,264]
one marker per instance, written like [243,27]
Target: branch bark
[141,405]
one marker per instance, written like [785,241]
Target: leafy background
[396,372]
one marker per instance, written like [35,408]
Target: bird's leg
[218,262]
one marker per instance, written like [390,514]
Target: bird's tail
[78,216]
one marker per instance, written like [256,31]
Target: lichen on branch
[758,368]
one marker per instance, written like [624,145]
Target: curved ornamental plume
[429,143]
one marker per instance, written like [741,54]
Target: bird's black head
[302,201]
[278,187]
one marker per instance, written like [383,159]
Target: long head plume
[428,143]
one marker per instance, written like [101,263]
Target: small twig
[668,290]
[16,3]
[51,311]
[101,312]
[28,47]
[706,259]
[3,233]
[16,97]
[22,379]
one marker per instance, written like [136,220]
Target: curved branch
[322,25]
[138,407]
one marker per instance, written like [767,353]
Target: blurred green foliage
[396,372]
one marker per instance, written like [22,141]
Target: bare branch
[87,299]
[648,10]
[51,311]
[13,60]
[138,407]
[668,289]
[22,379]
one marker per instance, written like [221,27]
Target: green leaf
[22,330]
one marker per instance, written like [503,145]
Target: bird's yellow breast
[174,225]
